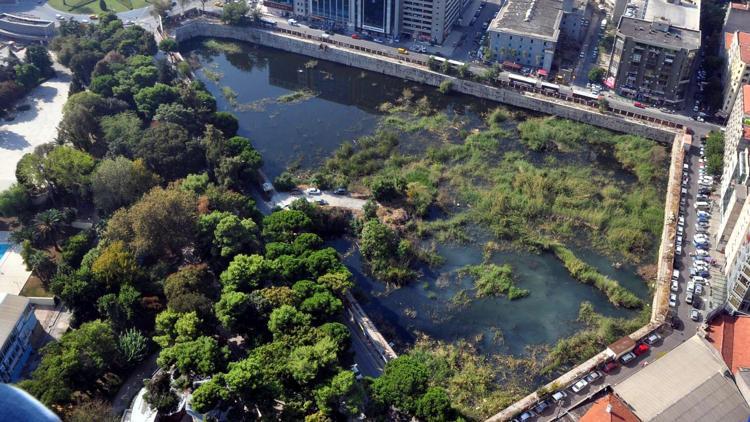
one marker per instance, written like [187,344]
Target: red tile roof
[740,6]
[731,337]
[744,41]
[746,99]
[619,412]
[728,36]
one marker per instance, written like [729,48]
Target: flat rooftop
[11,310]
[676,38]
[537,18]
[690,383]
[681,13]
[738,18]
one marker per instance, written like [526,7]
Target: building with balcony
[736,68]
[654,51]
[17,322]
[429,20]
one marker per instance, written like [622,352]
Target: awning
[542,72]
[621,346]
[511,65]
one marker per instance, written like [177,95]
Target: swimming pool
[3,248]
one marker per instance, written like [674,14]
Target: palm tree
[47,225]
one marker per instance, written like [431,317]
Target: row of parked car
[701,258]
[559,397]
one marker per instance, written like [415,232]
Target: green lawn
[88,7]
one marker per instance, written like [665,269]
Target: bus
[269,23]
[523,81]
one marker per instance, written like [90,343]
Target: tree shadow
[12,141]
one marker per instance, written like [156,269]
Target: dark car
[340,191]
[541,407]
[627,358]
[610,366]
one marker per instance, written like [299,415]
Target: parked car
[639,104]
[689,298]
[627,357]
[559,396]
[592,377]
[695,315]
[652,339]
[675,286]
[641,348]
[340,191]
[527,415]
[698,289]
[580,385]
[673,300]
[610,366]
[540,407]
[312,191]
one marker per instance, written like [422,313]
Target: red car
[355,36]
[641,349]
[610,366]
[639,104]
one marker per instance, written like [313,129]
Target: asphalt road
[590,44]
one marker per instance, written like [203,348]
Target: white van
[702,204]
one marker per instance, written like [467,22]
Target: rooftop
[675,38]
[746,107]
[731,335]
[609,409]
[738,18]
[682,14]
[690,383]
[540,18]
[11,310]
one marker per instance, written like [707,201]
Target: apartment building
[17,322]
[527,32]
[429,20]
[737,68]
[736,19]
[655,48]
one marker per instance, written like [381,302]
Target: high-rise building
[429,20]
[338,11]
[655,48]
[379,16]
[736,69]
[734,227]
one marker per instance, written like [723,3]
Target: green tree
[81,116]
[63,170]
[168,45]
[596,74]
[210,394]
[115,266]
[160,224]
[75,247]
[306,362]
[192,288]
[197,358]
[172,327]
[233,309]
[38,56]
[322,306]
[234,235]
[235,13]
[226,123]
[121,133]
[148,99]
[75,363]
[120,182]
[435,406]
[27,75]
[285,225]
[245,273]
[402,383]
[287,320]
[14,201]
[378,242]
[168,150]
[342,392]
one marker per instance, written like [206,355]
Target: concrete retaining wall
[417,73]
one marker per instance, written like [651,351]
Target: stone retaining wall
[414,72]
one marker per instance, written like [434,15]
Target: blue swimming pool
[3,248]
